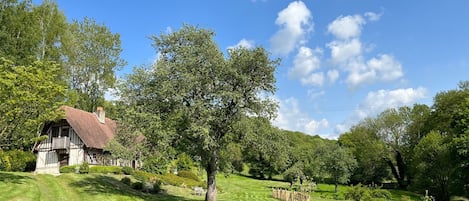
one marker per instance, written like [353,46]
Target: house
[79,137]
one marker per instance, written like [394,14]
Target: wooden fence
[286,195]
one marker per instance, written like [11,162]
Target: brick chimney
[100,114]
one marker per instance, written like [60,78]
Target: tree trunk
[211,170]
[336,187]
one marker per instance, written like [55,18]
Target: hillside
[27,186]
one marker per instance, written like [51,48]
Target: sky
[341,60]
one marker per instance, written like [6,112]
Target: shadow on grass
[102,184]
[9,177]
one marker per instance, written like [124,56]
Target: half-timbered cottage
[79,137]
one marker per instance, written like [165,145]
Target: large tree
[337,162]
[208,92]
[29,96]
[92,55]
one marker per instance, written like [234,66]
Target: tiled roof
[93,133]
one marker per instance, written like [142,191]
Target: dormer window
[60,131]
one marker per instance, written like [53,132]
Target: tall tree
[29,96]
[92,55]
[210,92]
[338,162]
[369,151]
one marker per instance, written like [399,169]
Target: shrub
[137,185]
[142,175]
[184,162]
[361,193]
[68,169]
[106,169]
[189,175]
[17,161]
[84,168]
[126,180]
[127,170]
[175,180]
[157,186]
[155,164]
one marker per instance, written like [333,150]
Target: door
[63,159]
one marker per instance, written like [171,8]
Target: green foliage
[17,161]
[157,186]
[92,55]
[36,86]
[270,155]
[143,176]
[362,193]
[338,162]
[105,169]
[188,174]
[156,164]
[68,169]
[84,168]
[127,170]
[184,162]
[137,185]
[175,180]
[126,180]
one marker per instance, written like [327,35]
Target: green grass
[93,187]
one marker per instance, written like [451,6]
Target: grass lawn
[26,186]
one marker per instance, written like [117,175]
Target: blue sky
[342,60]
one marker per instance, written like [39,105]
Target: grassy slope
[93,187]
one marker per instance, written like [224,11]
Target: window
[55,131]
[64,132]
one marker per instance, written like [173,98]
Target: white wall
[47,162]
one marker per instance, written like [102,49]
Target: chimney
[100,114]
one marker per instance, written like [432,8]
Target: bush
[184,162]
[84,168]
[157,186]
[155,164]
[175,180]
[106,169]
[68,169]
[361,193]
[189,175]
[17,161]
[142,175]
[126,180]
[127,170]
[137,185]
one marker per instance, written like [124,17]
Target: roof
[87,126]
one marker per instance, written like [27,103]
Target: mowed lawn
[94,187]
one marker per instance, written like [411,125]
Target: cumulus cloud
[248,44]
[316,79]
[290,117]
[346,27]
[332,75]
[347,53]
[378,101]
[295,21]
[306,61]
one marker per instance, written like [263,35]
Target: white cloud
[371,16]
[388,67]
[332,75]
[347,27]
[305,62]
[290,117]
[295,22]
[343,51]
[248,44]
[316,79]
[378,101]
[347,53]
